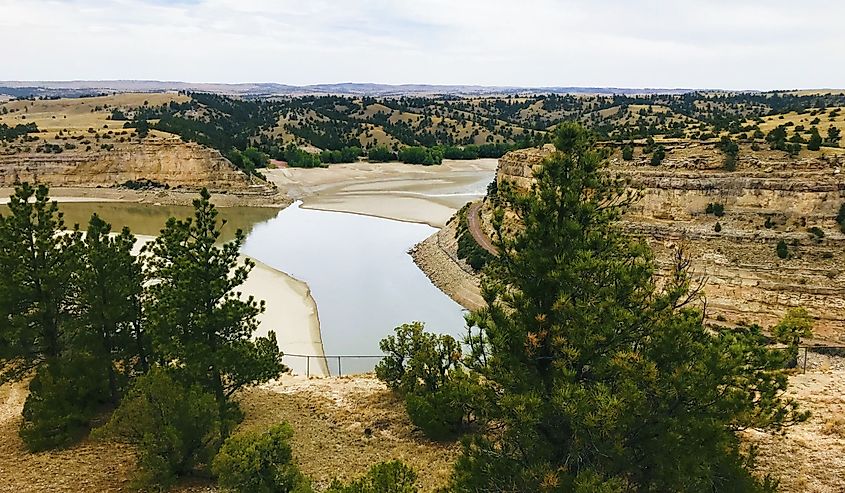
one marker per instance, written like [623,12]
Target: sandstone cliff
[166,161]
[768,198]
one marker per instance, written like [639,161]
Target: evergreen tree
[597,380]
[815,142]
[196,316]
[833,136]
[36,264]
[109,299]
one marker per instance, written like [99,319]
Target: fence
[820,352]
[333,365]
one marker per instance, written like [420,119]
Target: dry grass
[342,426]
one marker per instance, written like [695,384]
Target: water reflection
[149,219]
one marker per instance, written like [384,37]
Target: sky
[719,44]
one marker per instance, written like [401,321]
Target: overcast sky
[729,44]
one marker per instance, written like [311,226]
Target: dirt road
[474,225]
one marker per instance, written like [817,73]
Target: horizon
[57,84]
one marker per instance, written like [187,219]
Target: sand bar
[404,192]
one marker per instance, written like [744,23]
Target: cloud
[648,43]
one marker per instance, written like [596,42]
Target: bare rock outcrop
[166,161]
[769,198]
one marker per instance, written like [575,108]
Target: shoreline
[159,196]
[279,309]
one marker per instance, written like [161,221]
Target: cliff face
[167,161]
[768,198]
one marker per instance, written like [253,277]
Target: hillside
[729,222]
[312,131]
[77,143]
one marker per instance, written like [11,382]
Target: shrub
[782,250]
[715,208]
[627,153]
[840,218]
[259,463]
[658,156]
[380,154]
[174,426]
[420,155]
[718,227]
[816,231]
[64,396]
[386,477]
[424,369]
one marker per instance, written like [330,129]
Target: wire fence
[339,365]
[331,365]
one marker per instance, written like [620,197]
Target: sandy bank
[292,313]
[404,192]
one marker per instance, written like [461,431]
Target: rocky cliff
[769,197]
[166,161]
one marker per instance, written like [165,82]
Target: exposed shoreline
[157,196]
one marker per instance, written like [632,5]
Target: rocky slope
[768,198]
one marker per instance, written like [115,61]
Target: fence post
[308,366]
[339,372]
[805,359]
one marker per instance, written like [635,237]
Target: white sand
[405,192]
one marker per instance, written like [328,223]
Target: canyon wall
[769,197]
[166,161]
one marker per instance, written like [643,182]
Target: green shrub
[416,360]
[627,153]
[658,156]
[425,370]
[259,463]
[715,208]
[442,414]
[782,250]
[173,425]
[64,396]
[380,154]
[718,227]
[386,477]
[840,218]
[421,155]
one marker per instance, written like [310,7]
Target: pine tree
[36,264]
[597,380]
[109,298]
[815,142]
[196,317]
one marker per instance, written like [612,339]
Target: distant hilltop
[87,87]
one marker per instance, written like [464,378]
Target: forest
[313,131]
